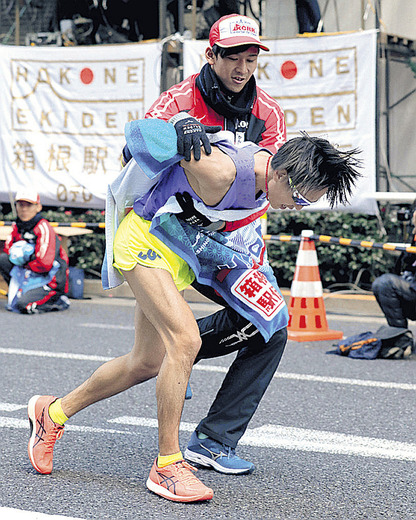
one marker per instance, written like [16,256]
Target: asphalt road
[333,438]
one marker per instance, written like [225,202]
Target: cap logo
[235,30]
[233,27]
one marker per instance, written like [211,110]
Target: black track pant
[396,298]
[247,378]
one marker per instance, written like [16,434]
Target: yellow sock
[56,413]
[165,460]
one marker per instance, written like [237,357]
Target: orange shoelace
[54,434]
[186,472]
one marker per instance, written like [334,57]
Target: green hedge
[339,265]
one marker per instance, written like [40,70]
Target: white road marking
[347,381]
[219,369]
[322,379]
[9,407]
[274,436]
[147,422]
[56,355]
[269,436]
[10,422]
[109,300]
[8,513]
[302,439]
[107,326]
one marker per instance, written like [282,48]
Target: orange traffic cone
[307,316]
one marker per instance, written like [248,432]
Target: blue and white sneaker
[222,458]
[188,394]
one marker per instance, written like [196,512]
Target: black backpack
[387,342]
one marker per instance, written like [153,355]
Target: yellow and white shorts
[134,244]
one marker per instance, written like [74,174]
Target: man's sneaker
[177,482]
[188,394]
[43,433]
[222,458]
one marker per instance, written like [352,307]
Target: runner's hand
[189,213]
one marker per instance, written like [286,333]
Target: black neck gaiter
[22,227]
[223,101]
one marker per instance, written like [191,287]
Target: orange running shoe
[43,433]
[177,482]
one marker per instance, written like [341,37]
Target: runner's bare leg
[166,343]
[171,316]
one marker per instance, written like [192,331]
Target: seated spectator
[396,292]
[33,263]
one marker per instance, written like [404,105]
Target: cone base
[309,335]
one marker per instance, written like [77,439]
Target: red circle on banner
[86,75]
[289,69]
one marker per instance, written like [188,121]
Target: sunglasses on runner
[297,197]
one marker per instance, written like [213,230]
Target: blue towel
[153,145]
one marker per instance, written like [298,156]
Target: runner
[225,94]
[159,252]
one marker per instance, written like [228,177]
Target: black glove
[192,216]
[125,155]
[191,133]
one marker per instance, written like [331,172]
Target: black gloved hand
[189,213]
[191,133]
[125,155]
[192,216]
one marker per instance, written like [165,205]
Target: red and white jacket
[267,126]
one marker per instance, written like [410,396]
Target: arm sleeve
[268,110]
[45,249]
[11,239]
[163,108]
[179,98]
[275,134]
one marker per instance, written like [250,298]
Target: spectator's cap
[234,30]
[28,194]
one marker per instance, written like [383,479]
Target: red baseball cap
[29,195]
[234,30]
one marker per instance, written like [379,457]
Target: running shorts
[134,244]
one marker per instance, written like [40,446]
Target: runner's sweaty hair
[313,163]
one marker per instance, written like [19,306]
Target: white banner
[62,116]
[326,86]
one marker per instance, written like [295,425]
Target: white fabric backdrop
[62,116]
